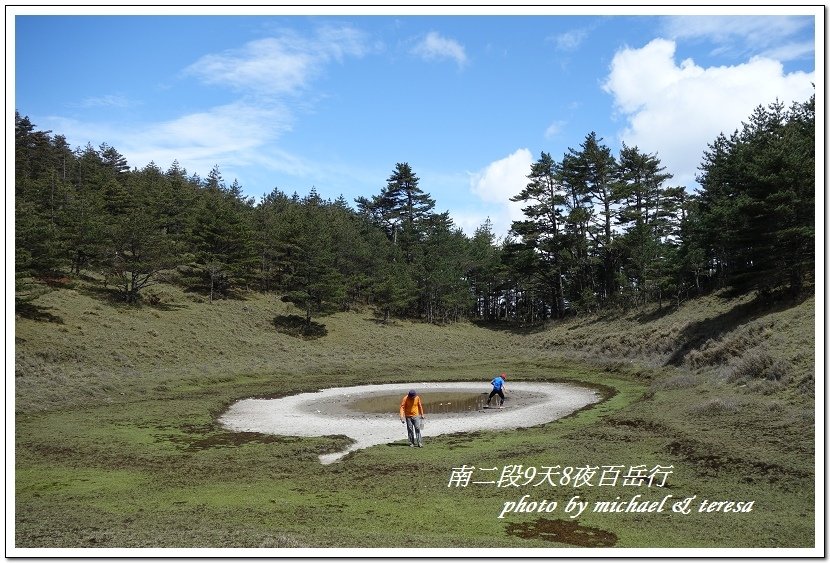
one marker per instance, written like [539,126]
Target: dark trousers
[498,392]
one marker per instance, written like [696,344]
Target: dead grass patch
[562,531]
[683,380]
[717,406]
[760,365]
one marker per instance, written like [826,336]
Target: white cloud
[753,34]
[570,40]
[434,47]
[221,134]
[278,65]
[238,134]
[232,136]
[267,66]
[107,101]
[469,220]
[498,182]
[554,129]
[502,179]
[791,51]
[338,42]
[676,109]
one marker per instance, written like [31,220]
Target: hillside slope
[746,340]
[75,346]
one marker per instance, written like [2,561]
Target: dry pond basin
[368,414]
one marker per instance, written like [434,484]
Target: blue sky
[334,100]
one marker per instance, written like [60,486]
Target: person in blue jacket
[498,389]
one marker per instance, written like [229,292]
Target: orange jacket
[411,406]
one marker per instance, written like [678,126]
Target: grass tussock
[684,380]
[717,406]
[761,365]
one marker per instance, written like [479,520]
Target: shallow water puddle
[434,403]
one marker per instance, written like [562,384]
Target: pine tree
[444,290]
[40,189]
[400,207]
[394,290]
[139,246]
[485,271]
[597,170]
[543,229]
[756,206]
[313,282]
[642,217]
[223,241]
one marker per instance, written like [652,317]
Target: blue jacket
[497,383]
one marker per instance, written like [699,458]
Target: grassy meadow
[117,443]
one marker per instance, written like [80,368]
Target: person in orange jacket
[412,413]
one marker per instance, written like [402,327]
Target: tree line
[599,230]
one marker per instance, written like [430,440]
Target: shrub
[680,381]
[760,366]
[718,405]
[298,327]
[764,386]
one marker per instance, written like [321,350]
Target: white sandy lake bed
[330,412]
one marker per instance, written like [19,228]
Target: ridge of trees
[599,230]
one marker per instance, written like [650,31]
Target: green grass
[117,444]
